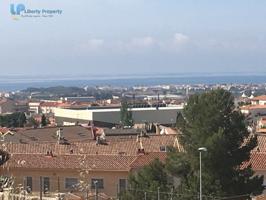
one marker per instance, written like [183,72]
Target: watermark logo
[18,11]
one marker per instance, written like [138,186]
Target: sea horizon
[20,82]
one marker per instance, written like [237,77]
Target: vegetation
[44,120]
[125,114]
[4,181]
[32,122]
[150,178]
[209,120]
[17,119]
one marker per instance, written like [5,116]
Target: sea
[16,83]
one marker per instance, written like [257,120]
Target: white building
[105,116]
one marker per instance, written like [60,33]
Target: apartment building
[57,167]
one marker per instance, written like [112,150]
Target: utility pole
[201,149]
[145,196]
[172,192]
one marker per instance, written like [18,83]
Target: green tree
[17,119]
[4,157]
[148,180]
[211,120]
[126,114]
[43,120]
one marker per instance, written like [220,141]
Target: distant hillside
[61,91]
[55,90]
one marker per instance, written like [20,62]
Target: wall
[57,179]
[164,115]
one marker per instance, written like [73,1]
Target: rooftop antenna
[59,134]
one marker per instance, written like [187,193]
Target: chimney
[141,148]
[59,134]
[157,129]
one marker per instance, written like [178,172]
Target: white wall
[164,115]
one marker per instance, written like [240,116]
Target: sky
[118,37]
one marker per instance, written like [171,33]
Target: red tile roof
[257,161]
[91,162]
[146,159]
[126,146]
[49,104]
[116,154]
[260,197]
[259,98]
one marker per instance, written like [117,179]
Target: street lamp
[201,149]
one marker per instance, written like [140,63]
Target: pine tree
[149,179]
[125,114]
[210,120]
[43,120]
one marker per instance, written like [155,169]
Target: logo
[16,10]
[21,11]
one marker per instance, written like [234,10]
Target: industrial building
[111,116]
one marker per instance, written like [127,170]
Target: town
[75,146]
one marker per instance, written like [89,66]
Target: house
[261,125]
[259,100]
[258,158]
[34,107]
[54,167]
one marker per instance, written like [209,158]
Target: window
[163,148]
[98,181]
[29,184]
[46,184]
[70,183]
[122,185]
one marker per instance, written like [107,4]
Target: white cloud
[95,43]
[92,44]
[142,42]
[180,39]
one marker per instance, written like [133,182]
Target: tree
[32,122]
[148,180]
[4,181]
[43,120]
[125,114]
[211,120]
[17,119]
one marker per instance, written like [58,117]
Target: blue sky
[135,37]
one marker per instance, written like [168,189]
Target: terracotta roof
[261,147]
[259,98]
[4,130]
[92,162]
[251,107]
[49,104]
[117,154]
[48,135]
[260,197]
[146,159]
[257,161]
[114,146]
